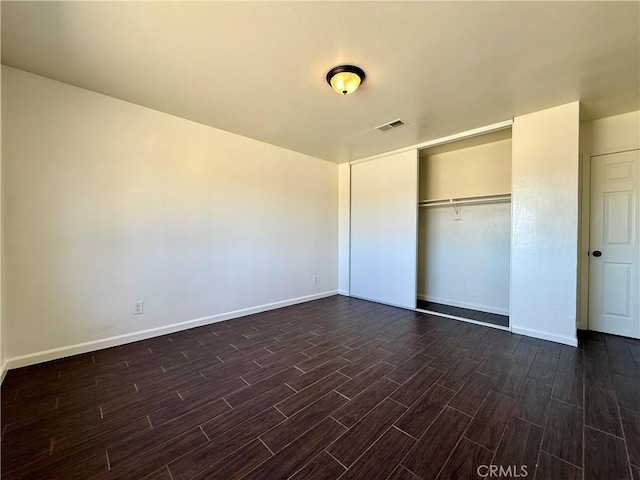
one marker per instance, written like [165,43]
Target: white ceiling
[258,68]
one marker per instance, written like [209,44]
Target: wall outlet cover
[138,308]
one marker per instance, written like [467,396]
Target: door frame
[584,263]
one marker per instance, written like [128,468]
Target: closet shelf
[473,200]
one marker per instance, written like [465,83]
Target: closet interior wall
[464,227]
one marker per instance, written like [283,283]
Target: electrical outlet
[315,280]
[138,308]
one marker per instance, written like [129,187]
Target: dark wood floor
[336,388]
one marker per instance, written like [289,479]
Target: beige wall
[615,134]
[478,170]
[2,327]
[344,215]
[107,203]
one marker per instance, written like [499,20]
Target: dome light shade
[345,79]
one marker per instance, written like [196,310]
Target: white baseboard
[470,306]
[3,371]
[572,341]
[66,351]
[343,292]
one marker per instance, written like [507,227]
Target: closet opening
[464,229]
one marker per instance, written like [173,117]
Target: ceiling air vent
[391,125]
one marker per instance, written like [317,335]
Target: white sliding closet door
[384,195]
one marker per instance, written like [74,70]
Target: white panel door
[614,286]
[384,196]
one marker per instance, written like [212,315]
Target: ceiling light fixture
[345,79]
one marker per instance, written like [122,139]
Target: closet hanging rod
[476,199]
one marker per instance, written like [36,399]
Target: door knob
[597,253]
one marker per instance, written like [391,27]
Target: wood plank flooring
[335,388]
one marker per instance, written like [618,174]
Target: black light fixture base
[345,68]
